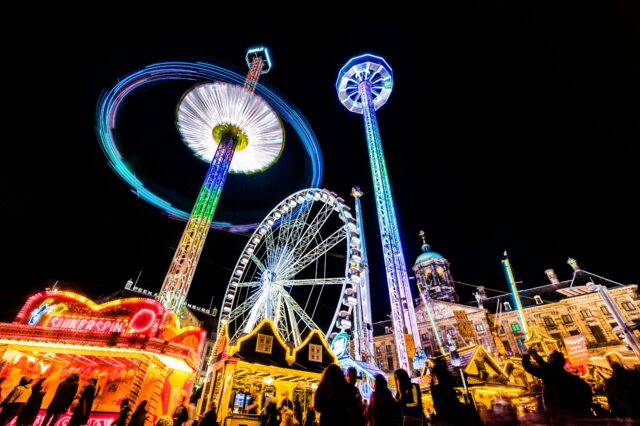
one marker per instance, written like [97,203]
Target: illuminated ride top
[235,131]
[134,347]
[112,100]
[364,85]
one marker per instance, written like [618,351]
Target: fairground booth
[262,362]
[134,347]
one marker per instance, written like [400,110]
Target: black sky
[509,127]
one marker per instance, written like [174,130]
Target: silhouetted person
[211,416]
[30,411]
[180,415]
[383,409]
[310,417]
[82,411]
[445,401]
[297,410]
[140,415]
[623,390]
[65,392]
[565,397]
[125,414]
[286,402]
[13,404]
[255,402]
[335,399]
[270,415]
[409,398]
[352,378]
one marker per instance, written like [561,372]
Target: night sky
[509,127]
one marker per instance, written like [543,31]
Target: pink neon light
[142,320]
[86,324]
[96,419]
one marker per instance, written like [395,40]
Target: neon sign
[37,314]
[62,322]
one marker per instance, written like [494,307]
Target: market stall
[262,363]
[134,347]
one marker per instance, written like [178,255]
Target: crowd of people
[566,400]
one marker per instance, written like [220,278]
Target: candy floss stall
[134,347]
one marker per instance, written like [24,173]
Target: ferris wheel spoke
[302,315]
[286,222]
[244,306]
[310,232]
[298,228]
[313,254]
[293,324]
[258,311]
[258,263]
[249,284]
[270,252]
[312,281]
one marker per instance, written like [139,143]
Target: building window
[538,299]
[424,337]
[549,322]
[567,319]
[515,326]
[507,306]
[479,327]
[628,306]
[586,313]
[507,347]
[390,363]
[598,334]
[378,349]
[574,332]
[388,349]
[484,342]
[605,310]
[500,330]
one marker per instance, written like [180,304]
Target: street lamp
[454,357]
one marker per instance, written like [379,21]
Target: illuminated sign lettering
[37,314]
[87,324]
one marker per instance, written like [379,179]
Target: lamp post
[456,362]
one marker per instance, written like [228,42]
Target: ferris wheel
[300,269]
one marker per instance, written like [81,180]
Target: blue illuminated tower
[364,85]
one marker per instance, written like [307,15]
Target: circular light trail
[111,100]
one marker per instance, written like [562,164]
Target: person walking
[65,392]
[140,415]
[30,411]
[125,414]
[82,411]
[270,415]
[335,399]
[409,398]
[383,409]
[211,416]
[180,415]
[286,402]
[13,404]
[297,410]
